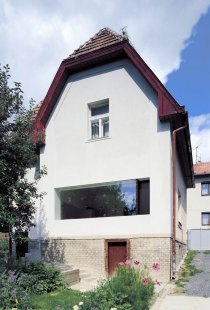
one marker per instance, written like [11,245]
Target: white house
[198,216]
[198,208]
[105,131]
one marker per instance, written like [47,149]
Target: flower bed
[131,288]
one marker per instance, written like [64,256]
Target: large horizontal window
[116,199]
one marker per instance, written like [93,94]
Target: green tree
[17,155]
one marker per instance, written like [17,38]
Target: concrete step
[88,281]
[70,274]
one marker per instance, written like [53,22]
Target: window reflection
[116,199]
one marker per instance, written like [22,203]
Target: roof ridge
[116,39]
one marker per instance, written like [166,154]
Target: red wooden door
[117,252]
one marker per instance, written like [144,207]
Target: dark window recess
[143,197]
[102,109]
[117,199]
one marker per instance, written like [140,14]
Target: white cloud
[200,136]
[37,35]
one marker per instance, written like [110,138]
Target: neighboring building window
[205,189]
[99,119]
[205,218]
[105,200]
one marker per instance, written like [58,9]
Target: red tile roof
[202,168]
[105,37]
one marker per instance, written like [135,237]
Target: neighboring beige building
[198,204]
[108,124]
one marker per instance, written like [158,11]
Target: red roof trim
[166,103]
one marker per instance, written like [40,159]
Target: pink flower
[145,281]
[157,282]
[156,266]
[128,262]
[121,264]
[136,262]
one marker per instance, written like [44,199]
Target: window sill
[98,139]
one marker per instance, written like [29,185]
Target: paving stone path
[199,284]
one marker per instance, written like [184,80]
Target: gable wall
[139,147]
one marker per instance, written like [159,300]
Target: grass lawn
[65,299]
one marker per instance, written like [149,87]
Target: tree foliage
[17,155]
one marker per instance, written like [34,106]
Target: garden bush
[131,288]
[22,279]
[39,278]
[4,247]
[12,294]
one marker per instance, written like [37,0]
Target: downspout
[174,157]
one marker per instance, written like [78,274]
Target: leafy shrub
[21,279]
[4,247]
[12,294]
[131,288]
[37,278]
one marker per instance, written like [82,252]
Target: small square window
[99,119]
[205,189]
[205,218]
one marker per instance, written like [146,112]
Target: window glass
[105,125]
[205,218]
[205,189]
[100,110]
[95,130]
[117,199]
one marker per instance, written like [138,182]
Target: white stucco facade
[181,205]
[138,147]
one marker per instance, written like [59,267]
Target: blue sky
[190,84]
[172,36]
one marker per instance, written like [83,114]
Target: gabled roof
[107,46]
[202,169]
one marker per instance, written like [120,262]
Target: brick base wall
[154,250]
[90,254]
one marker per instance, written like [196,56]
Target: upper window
[99,119]
[205,189]
[205,218]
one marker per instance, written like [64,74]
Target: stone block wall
[153,250]
[90,254]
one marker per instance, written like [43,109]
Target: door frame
[106,247]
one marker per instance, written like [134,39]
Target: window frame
[205,183]
[203,213]
[100,119]
[59,191]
